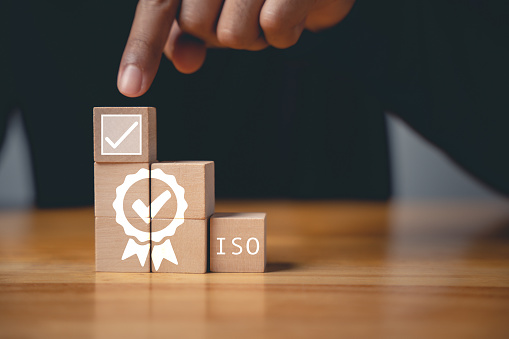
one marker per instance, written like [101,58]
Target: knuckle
[277,33]
[271,23]
[138,50]
[232,39]
[194,25]
[139,42]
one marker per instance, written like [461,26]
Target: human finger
[199,19]
[282,21]
[185,51]
[142,54]
[238,26]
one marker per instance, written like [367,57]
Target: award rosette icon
[162,248]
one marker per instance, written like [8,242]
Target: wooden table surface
[336,270]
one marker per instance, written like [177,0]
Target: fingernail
[130,81]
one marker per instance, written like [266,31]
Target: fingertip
[130,81]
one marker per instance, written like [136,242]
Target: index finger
[144,48]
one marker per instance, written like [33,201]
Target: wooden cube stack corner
[154,216]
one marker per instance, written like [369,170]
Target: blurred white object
[17,187]
[422,171]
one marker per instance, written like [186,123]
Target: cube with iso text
[238,242]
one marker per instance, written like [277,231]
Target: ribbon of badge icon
[164,250]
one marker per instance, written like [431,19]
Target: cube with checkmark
[125,134]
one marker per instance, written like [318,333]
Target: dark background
[306,122]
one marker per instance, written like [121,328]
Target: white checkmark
[122,138]
[143,211]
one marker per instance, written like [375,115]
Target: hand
[184,29]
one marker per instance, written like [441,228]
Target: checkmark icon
[145,212]
[122,138]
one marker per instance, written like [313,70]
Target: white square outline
[102,133]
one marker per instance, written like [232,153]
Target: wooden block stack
[124,145]
[154,216]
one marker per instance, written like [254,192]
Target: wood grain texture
[107,177]
[189,243]
[110,243]
[125,149]
[237,242]
[197,178]
[335,270]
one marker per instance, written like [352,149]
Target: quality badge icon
[141,246]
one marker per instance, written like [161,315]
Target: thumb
[185,51]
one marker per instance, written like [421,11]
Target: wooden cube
[238,242]
[193,184]
[117,252]
[132,198]
[183,252]
[125,134]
